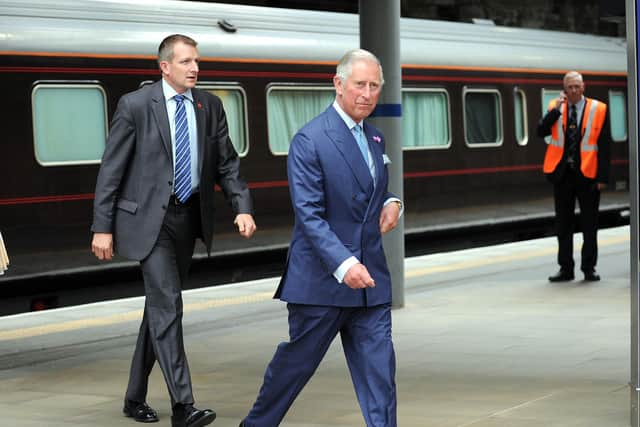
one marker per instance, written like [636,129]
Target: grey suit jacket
[136,176]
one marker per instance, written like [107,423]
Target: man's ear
[337,84]
[164,67]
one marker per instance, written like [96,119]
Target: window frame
[67,84]
[525,117]
[205,85]
[500,142]
[624,94]
[274,86]
[440,90]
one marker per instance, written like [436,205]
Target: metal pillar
[380,34]
[632,91]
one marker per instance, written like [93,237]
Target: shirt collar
[579,104]
[345,117]
[170,92]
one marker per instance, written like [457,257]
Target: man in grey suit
[167,148]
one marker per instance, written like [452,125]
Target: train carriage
[472,96]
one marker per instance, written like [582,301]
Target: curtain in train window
[520,111]
[483,123]
[288,109]
[234,107]
[618,115]
[69,123]
[425,119]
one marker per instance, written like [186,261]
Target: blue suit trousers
[366,339]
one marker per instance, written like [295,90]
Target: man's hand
[246,225]
[560,99]
[389,217]
[358,277]
[102,245]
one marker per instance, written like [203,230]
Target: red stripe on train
[553,82]
[282,183]
[155,72]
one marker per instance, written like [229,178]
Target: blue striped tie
[182,188]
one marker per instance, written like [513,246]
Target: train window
[618,115]
[69,123]
[234,101]
[482,117]
[425,119]
[548,95]
[520,111]
[289,108]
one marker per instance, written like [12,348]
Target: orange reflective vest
[592,121]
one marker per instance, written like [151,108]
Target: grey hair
[572,75]
[343,70]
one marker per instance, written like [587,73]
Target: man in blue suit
[336,278]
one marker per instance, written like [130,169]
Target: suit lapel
[160,115]
[341,136]
[198,104]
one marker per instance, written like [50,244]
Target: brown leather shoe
[140,412]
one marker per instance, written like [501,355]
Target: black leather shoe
[140,412]
[562,276]
[591,276]
[189,416]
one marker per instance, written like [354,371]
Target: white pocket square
[385,159]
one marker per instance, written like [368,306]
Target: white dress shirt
[169,93]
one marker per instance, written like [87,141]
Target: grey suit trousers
[160,337]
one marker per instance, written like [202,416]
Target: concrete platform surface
[484,340]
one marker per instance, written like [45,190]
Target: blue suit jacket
[337,212]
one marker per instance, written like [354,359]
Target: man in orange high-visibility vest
[577,163]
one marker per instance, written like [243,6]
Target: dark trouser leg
[367,344]
[164,271]
[589,200]
[311,331]
[564,195]
[143,360]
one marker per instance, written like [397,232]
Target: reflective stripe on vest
[555,145]
[593,120]
[589,145]
[557,132]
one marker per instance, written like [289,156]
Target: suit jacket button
[170,182]
[164,207]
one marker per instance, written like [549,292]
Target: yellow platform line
[129,316]
[114,319]
[501,259]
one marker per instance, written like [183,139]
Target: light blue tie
[364,148]
[182,188]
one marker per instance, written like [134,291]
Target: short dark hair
[165,50]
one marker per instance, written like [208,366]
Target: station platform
[483,340]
